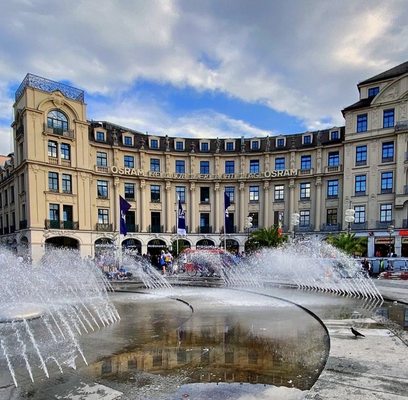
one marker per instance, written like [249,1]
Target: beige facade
[62,185]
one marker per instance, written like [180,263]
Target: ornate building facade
[61,186]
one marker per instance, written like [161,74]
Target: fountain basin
[20,312]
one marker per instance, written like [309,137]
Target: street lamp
[390,230]
[349,218]
[295,222]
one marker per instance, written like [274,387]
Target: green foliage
[181,247]
[349,243]
[265,237]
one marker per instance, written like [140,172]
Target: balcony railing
[70,134]
[56,224]
[401,126]
[204,229]
[305,228]
[384,224]
[358,226]
[174,230]
[155,229]
[331,227]
[233,229]
[334,168]
[132,228]
[104,227]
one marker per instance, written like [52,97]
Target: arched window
[57,121]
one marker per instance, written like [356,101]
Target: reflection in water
[396,312]
[271,342]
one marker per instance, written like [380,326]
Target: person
[168,259]
[162,262]
[382,265]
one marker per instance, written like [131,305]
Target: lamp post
[390,230]
[295,222]
[349,218]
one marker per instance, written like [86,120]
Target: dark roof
[360,104]
[391,73]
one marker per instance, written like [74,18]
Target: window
[204,146]
[386,213]
[154,144]
[254,166]
[179,145]
[388,118]
[334,159]
[204,167]
[333,188]
[304,218]
[331,218]
[102,189]
[387,154]
[280,142]
[129,191]
[204,194]
[65,151]
[101,159]
[129,161]
[306,162]
[373,91]
[334,135]
[53,181]
[204,223]
[156,224]
[230,192]
[279,192]
[230,167]
[307,139]
[305,191]
[100,136]
[6,196]
[155,193]
[180,167]
[54,212]
[386,182]
[11,194]
[360,185]
[255,145]
[66,183]
[103,216]
[52,149]
[280,163]
[229,146]
[255,220]
[128,140]
[155,165]
[57,121]
[359,215]
[181,193]
[254,193]
[362,123]
[361,155]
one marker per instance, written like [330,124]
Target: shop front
[384,246]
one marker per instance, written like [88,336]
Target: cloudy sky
[210,68]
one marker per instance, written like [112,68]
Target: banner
[181,220]
[124,208]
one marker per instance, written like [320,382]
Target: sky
[202,68]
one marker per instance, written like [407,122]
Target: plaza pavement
[374,367]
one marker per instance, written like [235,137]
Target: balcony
[305,228]
[333,168]
[155,229]
[306,171]
[384,224]
[233,229]
[331,227]
[205,229]
[102,168]
[174,230]
[401,126]
[56,224]
[104,227]
[132,228]
[68,134]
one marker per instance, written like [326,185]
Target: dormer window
[128,140]
[57,121]
[254,144]
[334,135]
[307,139]
[280,142]
[154,143]
[179,145]
[373,91]
[204,147]
[229,146]
[100,136]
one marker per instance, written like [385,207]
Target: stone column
[291,202]
[168,207]
[116,211]
[318,203]
[242,216]
[143,209]
[266,222]
[193,208]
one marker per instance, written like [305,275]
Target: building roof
[360,104]
[389,74]
[3,160]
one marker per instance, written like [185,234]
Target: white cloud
[6,140]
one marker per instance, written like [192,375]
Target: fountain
[238,331]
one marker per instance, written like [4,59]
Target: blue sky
[208,68]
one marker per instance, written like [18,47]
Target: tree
[349,243]
[265,237]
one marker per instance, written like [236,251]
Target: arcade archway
[132,245]
[61,242]
[205,243]
[154,248]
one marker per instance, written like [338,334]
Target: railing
[56,224]
[52,160]
[59,132]
[101,168]
[331,227]
[104,227]
[155,229]
[132,228]
[46,85]
[233,229]
[358,225]
[174,229]
[204,229]
[334,168]
[306,171]
[401,126]
[305,228]
[384,224]
[23,224]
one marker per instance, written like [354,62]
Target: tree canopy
[265,237]
[349,243]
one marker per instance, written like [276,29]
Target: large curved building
[61,186]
